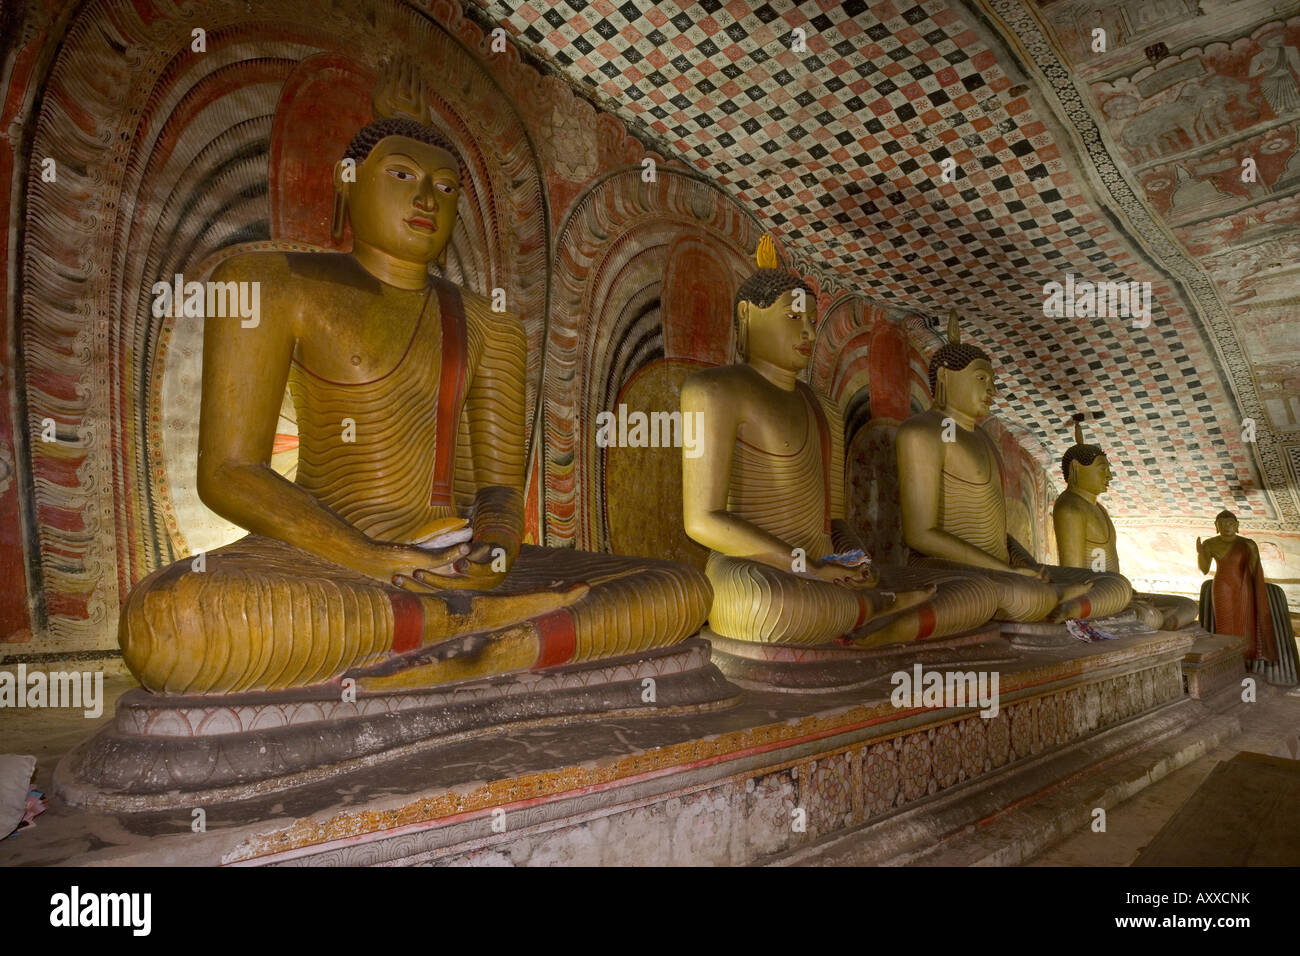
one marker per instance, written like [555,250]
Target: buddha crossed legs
[408,392]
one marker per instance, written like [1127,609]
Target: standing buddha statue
[1239,590]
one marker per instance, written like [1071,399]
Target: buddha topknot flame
[953,354]
[402,92]
[1081,451]
[770,282]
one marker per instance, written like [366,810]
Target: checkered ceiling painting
[841,149]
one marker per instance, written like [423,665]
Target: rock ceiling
[1115,165]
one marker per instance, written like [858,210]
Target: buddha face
[1094,478]
[780,335]
[404,199]
[969,391]
[1226,526]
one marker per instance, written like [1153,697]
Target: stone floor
[1242,815]
[1270,726]
[49,733]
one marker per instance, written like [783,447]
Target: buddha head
[1225,522]
[403,199]
[961,376]
[775,314]
[1272,38]
[1084,466]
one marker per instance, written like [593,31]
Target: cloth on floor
[15,783]
[1083,631]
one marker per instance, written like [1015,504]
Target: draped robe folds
[1241,602]
[795,496]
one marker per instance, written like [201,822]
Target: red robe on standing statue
[1241,602]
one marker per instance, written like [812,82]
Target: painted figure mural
[1277,64]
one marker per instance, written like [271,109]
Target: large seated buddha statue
[364,561]
[954,512]
[1085,535]
[766,496]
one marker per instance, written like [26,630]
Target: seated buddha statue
[766,495]
[1085,535]
[409,393]
[954,513]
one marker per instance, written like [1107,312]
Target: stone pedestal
[1214,663]
[831,668]
[776,775]
[163,752]
[1042,634]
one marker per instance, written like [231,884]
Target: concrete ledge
[1035,805]
[1213,663]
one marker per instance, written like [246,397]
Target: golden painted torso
[777,476]
[971,506]
[387,404]
[368,368]
[1099,532]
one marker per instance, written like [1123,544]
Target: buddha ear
[338,218]
[742,329]
[941,388]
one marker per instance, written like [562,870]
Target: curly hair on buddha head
[370,135]
[1080,451]
[953,354]
[764,286]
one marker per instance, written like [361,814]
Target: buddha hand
[895,602]
[481,566]
[415,567]
[859,576]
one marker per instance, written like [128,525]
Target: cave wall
[169,158]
